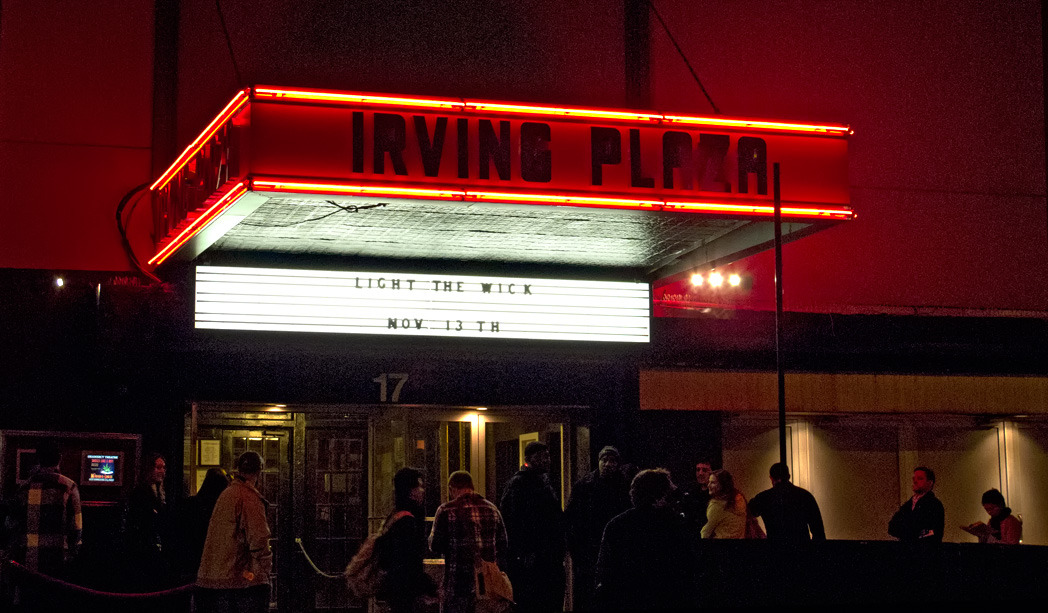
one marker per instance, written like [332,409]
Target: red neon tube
[231,109]
[466,105]
[762,209]
[223,203]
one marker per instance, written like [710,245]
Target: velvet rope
[25,572]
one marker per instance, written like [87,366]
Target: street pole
[779,366]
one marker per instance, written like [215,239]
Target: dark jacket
[401,554]
[789,513]
[647,562]
[534,521]
[910,522]
[594,502]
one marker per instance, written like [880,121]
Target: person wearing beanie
[535,526]
[236,563]
[595,500]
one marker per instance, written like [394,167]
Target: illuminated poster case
[411,304]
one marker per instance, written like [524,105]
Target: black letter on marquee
[605,148]
[676,153]
[494,148]
[463,147]
[710,168]
[637,178]
[358,141]
[536,163]
[431,149]
[753,157]
[390,137]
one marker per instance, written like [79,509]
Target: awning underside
[643,244]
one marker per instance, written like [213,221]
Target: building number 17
[383,380]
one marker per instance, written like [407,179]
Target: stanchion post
[779,366]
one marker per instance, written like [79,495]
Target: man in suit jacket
[922,517]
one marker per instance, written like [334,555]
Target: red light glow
[200,223]
[479,106]
[354,98]
[579,200]
[231,109]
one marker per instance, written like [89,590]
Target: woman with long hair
[726,511]
[194,517]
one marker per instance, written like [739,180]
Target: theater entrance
[329,472]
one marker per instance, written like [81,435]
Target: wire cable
[341,209]
[229,43]
[683,57]
[122,228]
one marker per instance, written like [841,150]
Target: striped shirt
[53,524]
[461,528]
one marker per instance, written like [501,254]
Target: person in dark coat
[193,519]
[648,559]
[535,527]
[922,517]
[595,499]
[790,513]
[694,497]
[146,527]
[405,546]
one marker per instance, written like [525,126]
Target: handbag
[492,582]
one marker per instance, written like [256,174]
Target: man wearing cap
[595,500]
[236,563]
[535,526]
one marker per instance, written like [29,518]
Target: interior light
[276,409]
[482,408]
[716,279]
[734,280]
[59,281]
[696,279]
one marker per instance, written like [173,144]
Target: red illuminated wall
[75,117]
[946,164]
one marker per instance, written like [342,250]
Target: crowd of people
[632,537]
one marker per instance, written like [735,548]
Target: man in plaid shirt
[48,515]
[462,527]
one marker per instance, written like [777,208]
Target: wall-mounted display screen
[102,468]
[413,304]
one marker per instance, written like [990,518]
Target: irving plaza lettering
[532,152]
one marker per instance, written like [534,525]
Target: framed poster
[210,452]
[25,462]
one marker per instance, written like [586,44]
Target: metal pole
[779,366]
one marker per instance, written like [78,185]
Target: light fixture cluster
[717,280]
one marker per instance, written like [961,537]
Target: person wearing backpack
[406,583]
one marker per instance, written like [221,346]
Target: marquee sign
[345,144]
[403,304]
